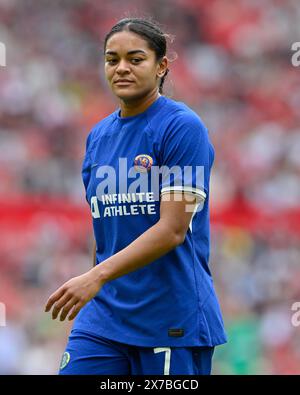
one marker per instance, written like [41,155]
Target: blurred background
[234,69]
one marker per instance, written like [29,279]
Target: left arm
[164,236]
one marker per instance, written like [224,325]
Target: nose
[123,67]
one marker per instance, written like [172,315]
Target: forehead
[124,42]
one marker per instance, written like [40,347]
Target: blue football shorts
[87,353]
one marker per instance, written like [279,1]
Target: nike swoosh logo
[94,165]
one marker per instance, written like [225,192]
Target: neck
[136,106]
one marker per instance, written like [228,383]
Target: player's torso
[123,189]
[123,183]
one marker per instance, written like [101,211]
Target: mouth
[123,83]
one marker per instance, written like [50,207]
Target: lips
[123,82]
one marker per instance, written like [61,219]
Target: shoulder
[99,129]
[177,119]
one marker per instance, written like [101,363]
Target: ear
[162,67]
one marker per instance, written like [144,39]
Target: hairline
[139,34]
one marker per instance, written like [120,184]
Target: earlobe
[163,73]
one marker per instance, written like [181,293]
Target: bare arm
[162,237]
[94,253]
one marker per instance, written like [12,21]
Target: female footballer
[148,306]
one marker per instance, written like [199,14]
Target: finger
[75,311]
[67,308]
[53,298]
[60,304]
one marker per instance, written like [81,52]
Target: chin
[129,95]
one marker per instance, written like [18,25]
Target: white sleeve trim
[194,191]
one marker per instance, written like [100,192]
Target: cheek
[108,73]
[146,74]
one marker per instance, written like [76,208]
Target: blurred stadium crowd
[231,62]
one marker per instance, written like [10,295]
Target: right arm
[94,253]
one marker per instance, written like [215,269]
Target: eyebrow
[128,53]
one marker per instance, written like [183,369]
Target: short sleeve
[86,165]
[186,156]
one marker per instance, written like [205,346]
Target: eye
[111,61]
[136,60]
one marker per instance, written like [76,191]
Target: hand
[74,294]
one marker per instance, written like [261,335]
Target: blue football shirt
[129,163]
